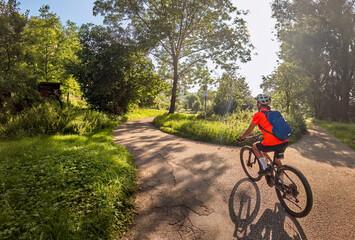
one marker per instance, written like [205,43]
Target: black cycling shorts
[278,149]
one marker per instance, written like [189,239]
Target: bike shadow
[244,207]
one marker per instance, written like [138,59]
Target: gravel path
[195,190]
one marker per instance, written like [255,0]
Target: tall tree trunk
[346,78]
[175,82]
[316,96]
[345,100]
[335,98]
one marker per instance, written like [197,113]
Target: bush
[298,126]
[218,129]
[222,130]
[196,106]
[49,118]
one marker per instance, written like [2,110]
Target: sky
[259,22]
[78,11]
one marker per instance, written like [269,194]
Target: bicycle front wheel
[293,191]
[250,163]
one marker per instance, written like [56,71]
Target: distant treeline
[111,66]
[318,58]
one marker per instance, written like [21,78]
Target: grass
[49,118]
[143,113]
[190,126]
[73,186]
[343,131]
[65,187]
[217,129]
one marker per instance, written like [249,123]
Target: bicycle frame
[287,180]
[272,162]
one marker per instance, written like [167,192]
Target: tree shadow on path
[174,190]
[276,224]
[321,146]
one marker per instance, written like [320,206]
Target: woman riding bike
[269,143]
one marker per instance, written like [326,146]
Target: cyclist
[269,143]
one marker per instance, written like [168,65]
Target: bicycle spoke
[249,163]
[288,177]
[290,200]
[293,191]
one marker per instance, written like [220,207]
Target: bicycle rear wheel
[250,163]
[293,191]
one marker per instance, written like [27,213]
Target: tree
[12,24]
[51,48]
[319,37]
[191,99]
[112,76]
[17,86]
[288,85]
[69,47]
[233,92]
[31,51]
[181,34]
[196,106]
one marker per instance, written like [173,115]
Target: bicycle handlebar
[254,137]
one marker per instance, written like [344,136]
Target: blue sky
[78,11]
[259,20]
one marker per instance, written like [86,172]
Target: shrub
[298,126]
[49,118]
[218,129]
[222,130]
[196,106]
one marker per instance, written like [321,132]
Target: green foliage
[233,93]
[12,24]
[65,187]
[218,129]
[289,86]
[197,106]
[191,99]
[49,118]
[318,36]
[140,113]
[17,86]
[344,131]
[297,124]
[161,101]
[31,51]
[182,34]
[18,94]
[50,48]
[113,76]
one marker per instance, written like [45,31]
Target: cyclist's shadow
[244,205]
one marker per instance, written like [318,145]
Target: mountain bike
[292,187]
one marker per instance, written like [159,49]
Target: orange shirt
[269,139]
